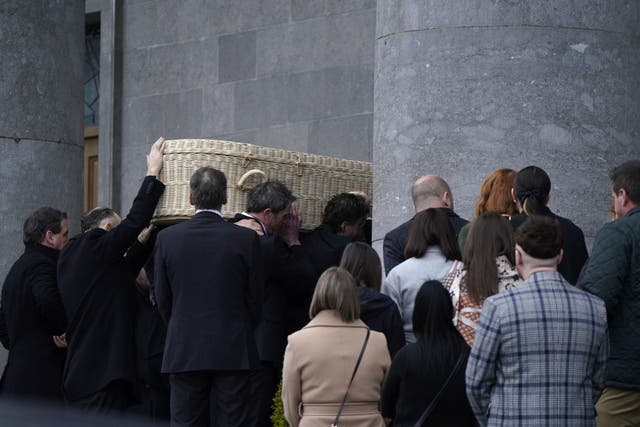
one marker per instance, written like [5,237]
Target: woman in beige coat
[320,359]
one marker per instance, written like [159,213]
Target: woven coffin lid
[312,178]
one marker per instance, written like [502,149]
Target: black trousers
[263,385]
[209,398]
[115,397]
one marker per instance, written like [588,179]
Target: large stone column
[465,87]
[41,101]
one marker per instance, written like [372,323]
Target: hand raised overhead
[154,158]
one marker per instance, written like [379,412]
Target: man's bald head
[431,191]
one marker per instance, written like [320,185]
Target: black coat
[151,332]
[321,249]
[209,287]
[284,269]
[411,384]
[97,285]
[396,239]
[381,314]
[573,245]
[30,315]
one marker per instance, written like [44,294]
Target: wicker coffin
[313,179]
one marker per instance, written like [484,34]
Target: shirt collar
[264,227]
[215,211]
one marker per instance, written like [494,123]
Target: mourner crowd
[501,321]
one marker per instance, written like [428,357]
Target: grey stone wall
[42,45]
[282,73]
[464,88]
[41,116]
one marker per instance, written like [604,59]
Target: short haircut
[94,217]
[344,207]
[532,186]
[208,188]
[627,176]
[425,188]
[490,236]
[272,195]
[336,290]
[39,222]
[363,262]
[495,193]
[431,227]
[540,237]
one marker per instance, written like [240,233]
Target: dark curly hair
[540,237]
[344,208]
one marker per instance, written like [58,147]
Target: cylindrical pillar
[41,104]
[466,87]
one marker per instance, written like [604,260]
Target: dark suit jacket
[573,245]
[285,269]
[31,313]
[208,286]
[396,239]
[321,249]
[97,285]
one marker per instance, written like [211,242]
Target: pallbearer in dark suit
[343,221]
[270,213]
[209,285]
[31,312]
[97,285]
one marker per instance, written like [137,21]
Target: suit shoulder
[397,232]
[569,225]
[595,300]
[504,300]
[172,230]
[240,231]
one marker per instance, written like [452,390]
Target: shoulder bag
[344,399]
[436,399]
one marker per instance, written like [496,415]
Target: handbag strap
[436,399]
[344,399]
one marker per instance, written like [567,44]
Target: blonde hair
[336,290]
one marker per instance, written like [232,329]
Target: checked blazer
[539,356]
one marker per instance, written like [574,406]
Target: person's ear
[48,237]
[548,198]
[518,258]
[625,196]
[560,255]
[191,200]
[446,200]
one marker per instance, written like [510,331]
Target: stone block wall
[291,74]
[464,88]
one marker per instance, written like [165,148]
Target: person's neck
[260,217]
[432,203]
[529,272]
[631,207]
[47,245]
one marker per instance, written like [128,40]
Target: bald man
[428,192]
[96,277]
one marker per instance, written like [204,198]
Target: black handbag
[344,399]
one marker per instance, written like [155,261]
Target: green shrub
[277,417]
